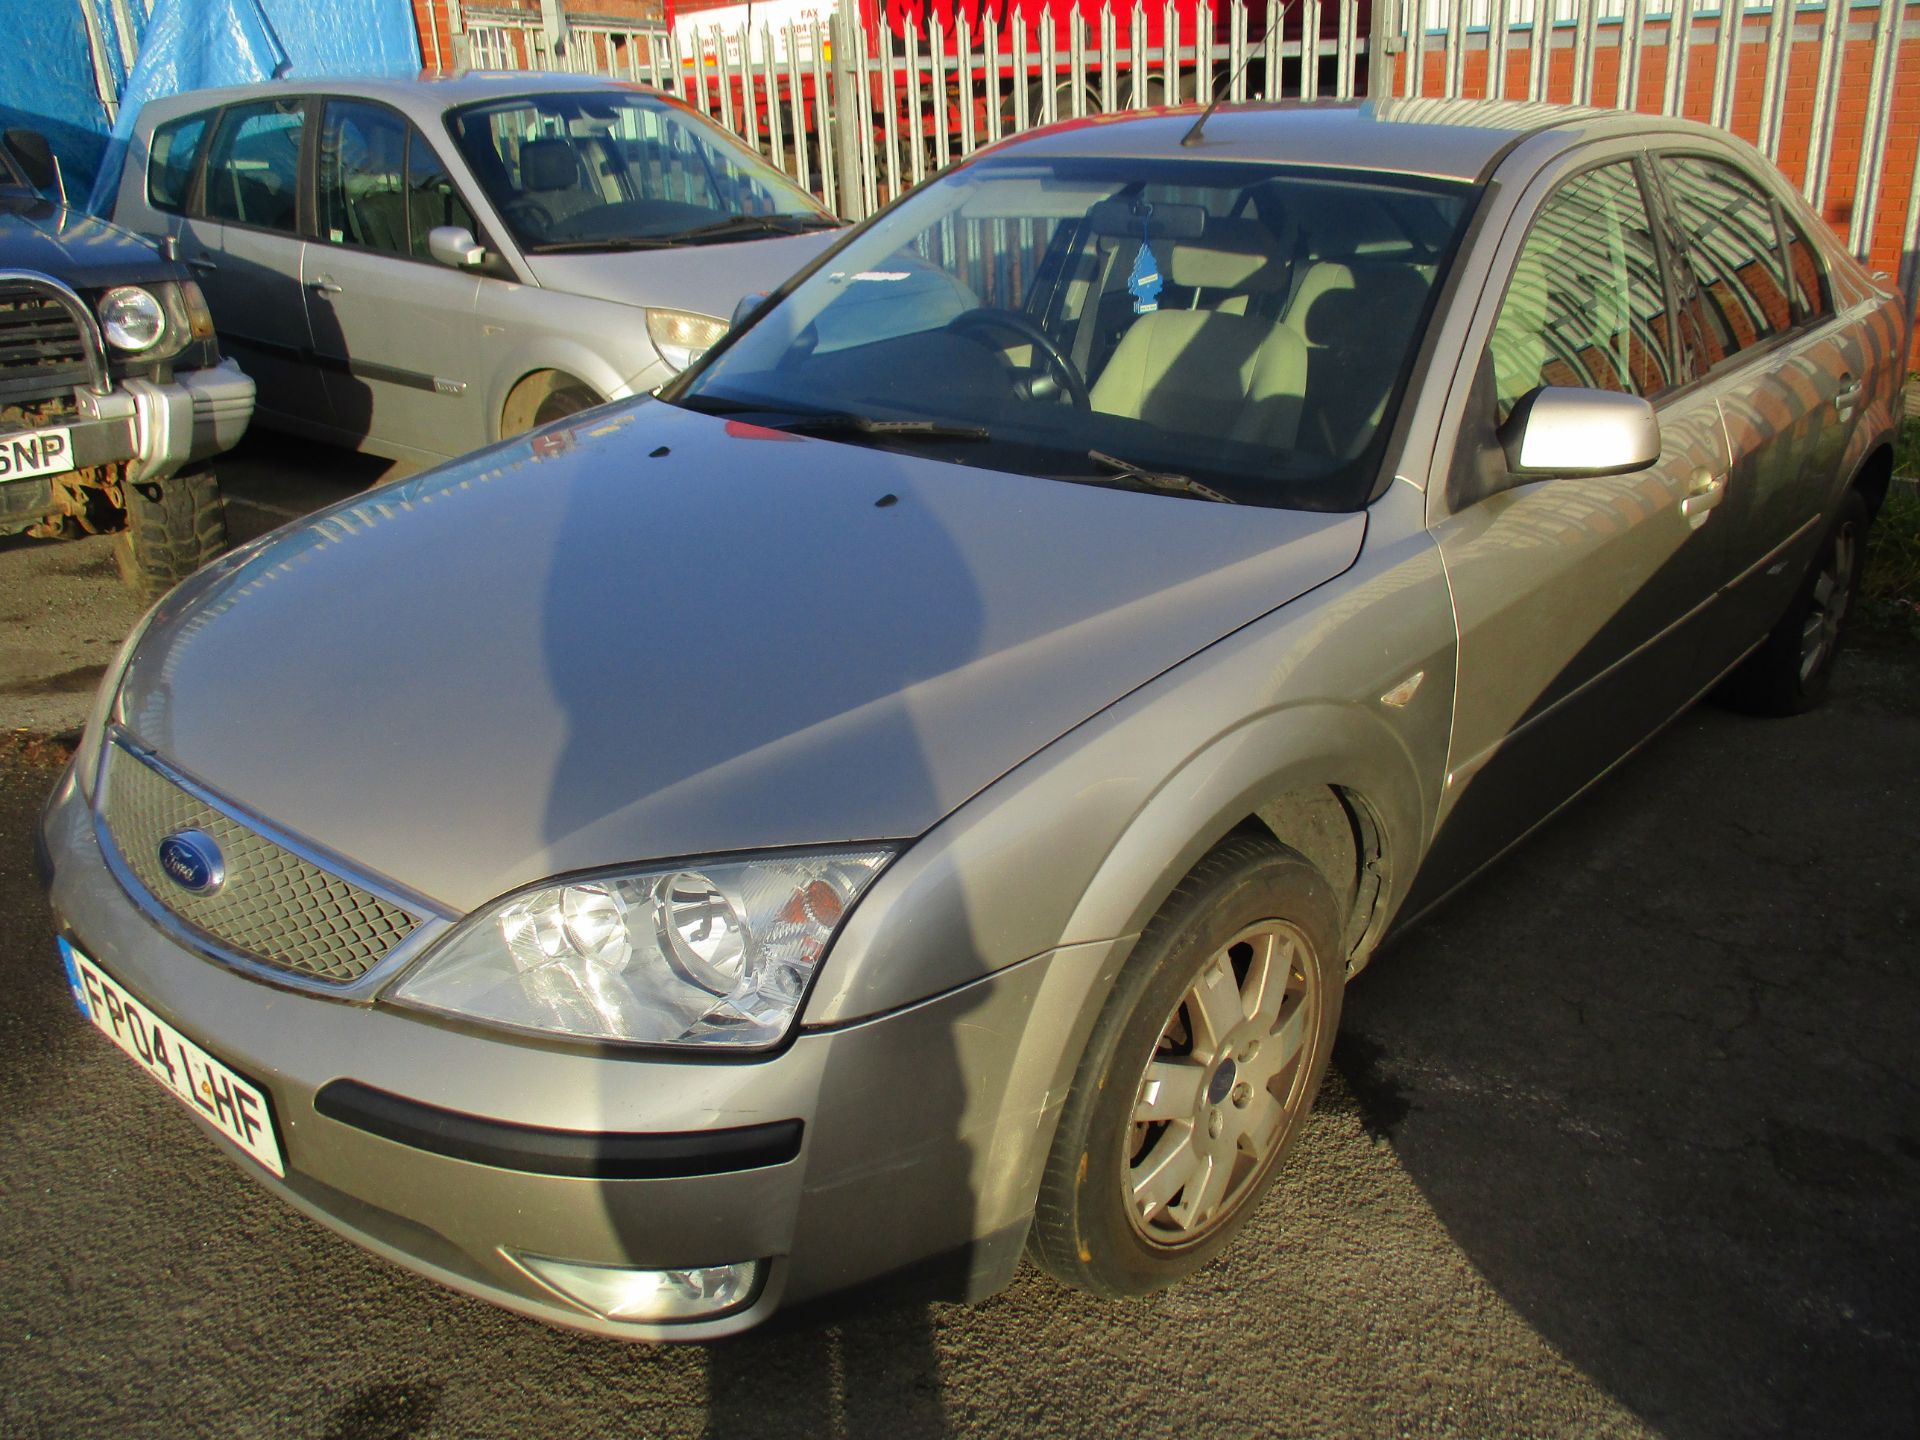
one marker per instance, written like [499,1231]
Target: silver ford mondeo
[912,795]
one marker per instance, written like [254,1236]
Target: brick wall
[1847,104]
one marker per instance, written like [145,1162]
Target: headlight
[682,337]
[132,319]
[713,955]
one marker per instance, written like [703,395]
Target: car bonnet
[706,279]
[651,633]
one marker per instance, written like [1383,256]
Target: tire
[174,526]
[542,398]
[1250,909]
[1791,670]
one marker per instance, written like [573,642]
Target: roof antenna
[1192,137]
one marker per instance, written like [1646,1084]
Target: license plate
[234,1107]
[27,453]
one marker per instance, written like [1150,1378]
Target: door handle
[202,264]
[1706,491]
[324,285]
[1848,395]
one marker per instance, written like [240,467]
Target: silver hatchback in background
[418,267]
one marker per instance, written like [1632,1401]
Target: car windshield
[1216,330]
[618,169]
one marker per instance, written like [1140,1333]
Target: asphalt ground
[1624,1141]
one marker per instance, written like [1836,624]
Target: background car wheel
[1790,671]
[542,398]
[174,526]
[1199,1074]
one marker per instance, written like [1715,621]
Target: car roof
[1433,138]
[428,93]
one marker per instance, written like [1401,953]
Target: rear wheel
[1199,1075]
[1791,670]
[174,526]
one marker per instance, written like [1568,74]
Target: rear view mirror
[454,245]
[749,305]
[34,156]
[1561,431]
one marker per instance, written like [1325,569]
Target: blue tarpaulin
[60,54]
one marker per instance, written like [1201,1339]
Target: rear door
[246,251]
[394,330]
[1579,600]
[1786,372]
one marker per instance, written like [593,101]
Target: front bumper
[920,1136]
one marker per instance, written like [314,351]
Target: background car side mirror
[454,245]
[750,304]
[34,156]
[1556,430]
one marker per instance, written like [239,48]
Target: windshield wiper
[1164,481]
[834,423]
[751,225]
[618,242]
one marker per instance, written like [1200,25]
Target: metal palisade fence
[1829,91]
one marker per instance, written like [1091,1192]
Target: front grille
[274,907]
[42,348]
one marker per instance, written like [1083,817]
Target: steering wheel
[529,215]
[979,325]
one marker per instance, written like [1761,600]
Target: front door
[1580,600]
[394,330]
[244,247]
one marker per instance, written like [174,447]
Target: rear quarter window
[170,160]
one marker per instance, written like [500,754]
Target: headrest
[1232,255]
[1377,303]
[548,165]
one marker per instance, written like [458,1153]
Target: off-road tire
[174,526]
[1088,1231]
[1793,667]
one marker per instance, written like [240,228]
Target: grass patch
[1890,590]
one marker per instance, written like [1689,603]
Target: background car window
[1733,246]
[1806,275]
[1586,306]
[582,170]
[431,199]
[363,199]
[171,154]
[253,174]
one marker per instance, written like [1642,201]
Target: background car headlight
[132,319]
[706,955]
[682,337]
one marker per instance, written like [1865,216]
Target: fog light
[646,1296]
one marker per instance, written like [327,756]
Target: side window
[362,197]
[1586,306]
[431,199]
[253,172]
[1733,247]
[1806,274]
[171,154]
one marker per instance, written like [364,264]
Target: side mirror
[749,305]
[1560,431]
[34,156]
[454,245]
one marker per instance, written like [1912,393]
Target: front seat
[1212,372]
[550,178]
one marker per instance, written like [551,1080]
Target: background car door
[244,246]
[394,329]
[1578,599]
[1761,311]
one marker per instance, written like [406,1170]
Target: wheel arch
[1875,477]
[1331,781]
[526,393]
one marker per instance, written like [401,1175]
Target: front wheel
[174,526]
[1199,1075]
